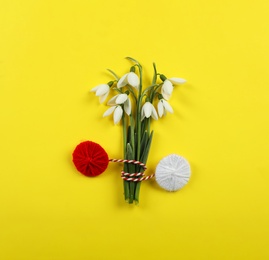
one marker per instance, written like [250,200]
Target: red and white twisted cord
[132,176]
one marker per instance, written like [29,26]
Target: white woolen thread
[173,172]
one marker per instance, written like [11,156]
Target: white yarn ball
[173,172]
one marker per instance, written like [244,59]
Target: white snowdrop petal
[167,87]
[147,109]
[177,80]
[127,107]
[103,97]
[173,172]
[121,98]
[117,114]
[122,81]
[109,111]
[102,89]
[154,113]
[94,89]
[160,108]
[167,106]
[112,101]
[165,96]
[133,79]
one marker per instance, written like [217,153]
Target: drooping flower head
[164,106]
[167,89]
[117,113]
[128,79]
[148,110]
[168,85]
[101,91]
[121,99]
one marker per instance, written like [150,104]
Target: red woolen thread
[90,158]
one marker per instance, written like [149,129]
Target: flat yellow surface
[53,52]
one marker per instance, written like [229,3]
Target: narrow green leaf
[132,59]
[143,125]
[145,153]
[126,187]
[131,169]
[126,184]
[114,74]
[144,141]
[132,134]
[129,134]
[130,156]
[154,79]
[143,159]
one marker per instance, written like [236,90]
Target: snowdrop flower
[117,113]
[148,110]
[121,99]
[128,79]
[168,87]
[164,106]
[118,99]
[101,91]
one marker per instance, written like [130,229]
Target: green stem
[140,97]
[135,187]
[148,125]
[143,159]
[155,74]
[125,183]
[138,131]
[138,122]
[132,133]
[131,168]
[132,92]
[124,129]
[154,80]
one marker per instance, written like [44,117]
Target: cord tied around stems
[134,177]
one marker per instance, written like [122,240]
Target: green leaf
[129,134]
[132,59]
[143,126]
[131,167]
[144,141]
[130,156]
[143,159]
[154,79]
[145,153]
[114,74]
[132,134]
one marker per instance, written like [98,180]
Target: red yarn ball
[90,158]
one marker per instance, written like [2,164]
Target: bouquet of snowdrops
[133,105]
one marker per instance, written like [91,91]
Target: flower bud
[110,83]
[163,78]
[132,69]
[160,96]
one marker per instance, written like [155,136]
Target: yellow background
[53,52]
